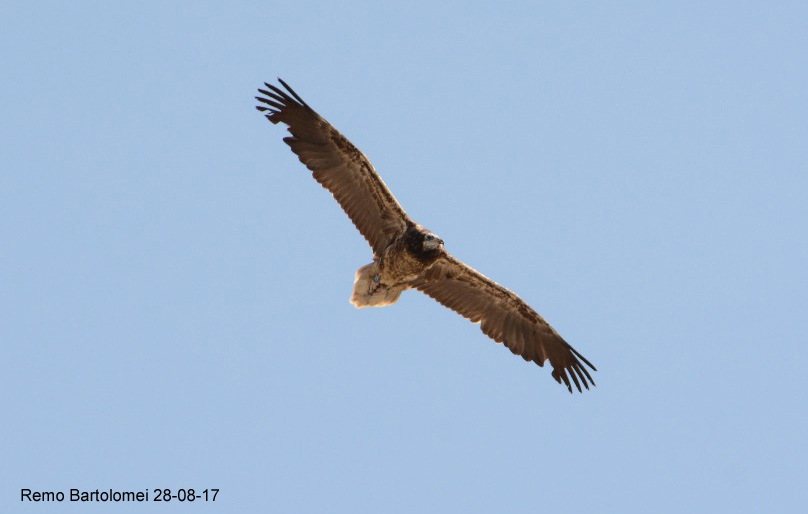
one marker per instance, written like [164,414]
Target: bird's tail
[371,293]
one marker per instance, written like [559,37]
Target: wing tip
[292,91]
[575,370]
[284,106]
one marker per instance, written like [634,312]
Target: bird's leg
[375,278]
[375,283]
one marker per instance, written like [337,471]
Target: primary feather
[405,254]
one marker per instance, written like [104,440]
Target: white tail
[367,293]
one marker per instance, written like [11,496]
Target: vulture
[405,254]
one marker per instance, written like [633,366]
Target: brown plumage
[405,254]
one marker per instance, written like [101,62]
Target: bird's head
[432,242]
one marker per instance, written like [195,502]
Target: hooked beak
[433,244]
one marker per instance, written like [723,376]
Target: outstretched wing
[338,165]
[504,317]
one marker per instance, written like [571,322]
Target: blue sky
[174,303]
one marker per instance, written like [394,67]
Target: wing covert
[337,165]
[504,317]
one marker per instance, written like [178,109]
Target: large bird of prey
[405,254]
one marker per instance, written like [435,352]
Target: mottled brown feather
[345,171]
[337,165]
[504,317]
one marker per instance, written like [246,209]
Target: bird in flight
[405,254]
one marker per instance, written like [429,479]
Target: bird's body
[404,260]
[408,256]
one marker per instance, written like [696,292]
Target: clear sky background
[174,285]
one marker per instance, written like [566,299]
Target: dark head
[431,242]
[422,243]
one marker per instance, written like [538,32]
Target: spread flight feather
[405,254]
